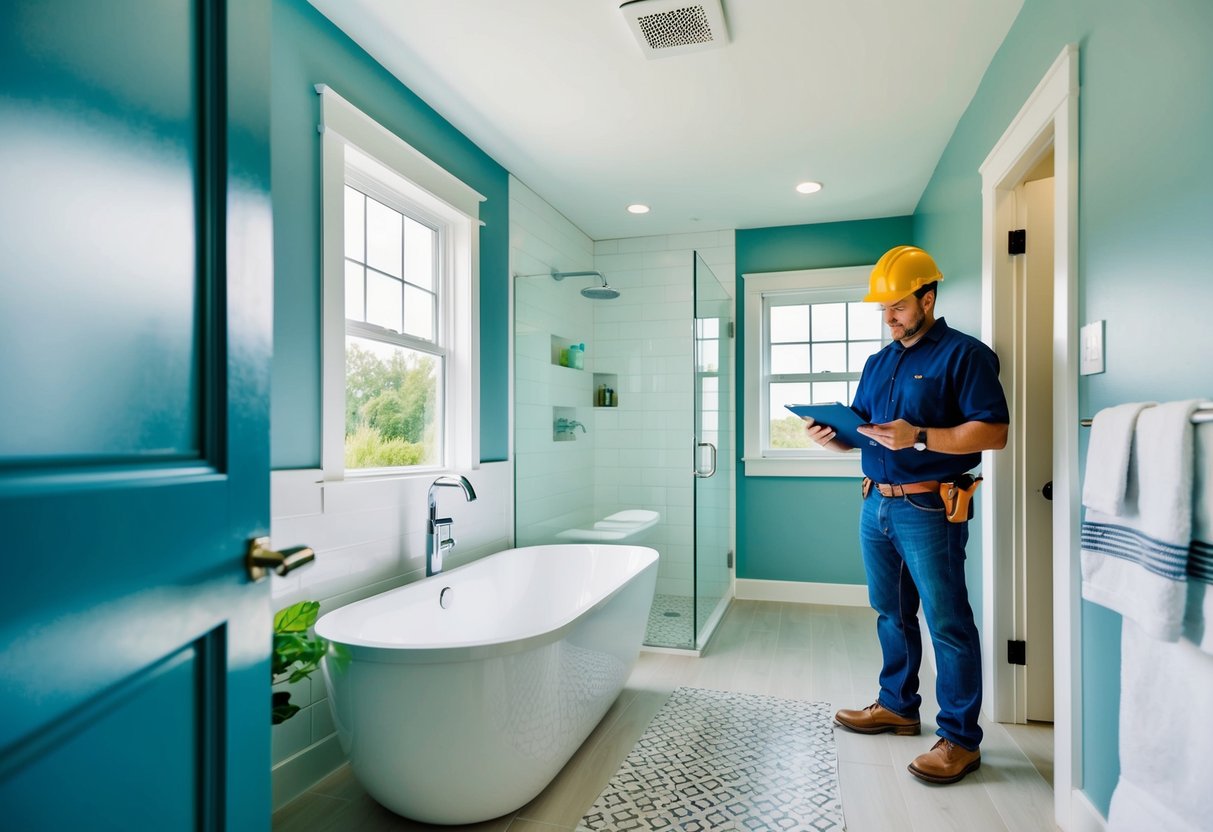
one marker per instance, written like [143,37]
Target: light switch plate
[1091,354]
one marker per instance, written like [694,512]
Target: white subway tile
[679,496]
[618,261]
[672,317]
[290,737]
[697,240]
[677,259]
[295,492]
[681,586]
[679,294]
[630,244]
[322,720]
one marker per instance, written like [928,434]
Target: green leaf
[291,644]
[297,617]
[302,672]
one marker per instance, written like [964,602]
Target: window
[808,334]
[399,341]
[394,362]
[707,379]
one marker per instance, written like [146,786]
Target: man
[935,402]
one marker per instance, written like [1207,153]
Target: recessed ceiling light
[637,208]
[809,187]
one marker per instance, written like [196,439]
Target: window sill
[836,465]
[356,475]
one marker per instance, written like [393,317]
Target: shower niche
[606,390]
[564,353]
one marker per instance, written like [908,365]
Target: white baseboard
[1084,817]
[803,592]
[295,775]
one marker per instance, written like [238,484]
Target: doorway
[1012,593]
[1032,422]
[1025,349]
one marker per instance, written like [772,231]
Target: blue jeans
[911,553]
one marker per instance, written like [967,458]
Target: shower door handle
[712,470]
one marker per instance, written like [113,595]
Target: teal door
[135,281]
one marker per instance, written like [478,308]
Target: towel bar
[1204,413]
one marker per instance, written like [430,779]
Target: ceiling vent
[664,28]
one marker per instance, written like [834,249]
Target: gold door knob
[261,558]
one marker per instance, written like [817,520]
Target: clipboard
[838,416]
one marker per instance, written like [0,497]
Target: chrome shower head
[603,292]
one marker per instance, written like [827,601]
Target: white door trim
[1048,118]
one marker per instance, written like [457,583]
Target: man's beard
[912,329]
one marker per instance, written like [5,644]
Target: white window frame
[759,460]
[381,155]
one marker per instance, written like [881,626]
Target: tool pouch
[958,497]
[867,487]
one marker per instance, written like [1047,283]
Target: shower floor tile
[670,621]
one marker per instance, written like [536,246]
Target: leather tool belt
[957,494]
[958,497]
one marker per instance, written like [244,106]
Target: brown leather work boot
[946,762]
[877,719]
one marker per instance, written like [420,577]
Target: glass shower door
[713,445]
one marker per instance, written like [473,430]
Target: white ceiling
[861,95]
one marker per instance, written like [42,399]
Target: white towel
[1107,475]
[1136,563]
[1198,620]
[1166,693]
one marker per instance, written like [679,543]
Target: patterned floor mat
[713,760]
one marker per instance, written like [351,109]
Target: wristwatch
[920,441]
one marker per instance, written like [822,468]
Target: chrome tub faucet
[438,539]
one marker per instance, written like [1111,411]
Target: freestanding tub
[459,697]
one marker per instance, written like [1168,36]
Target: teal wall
[1145,231]
[308,50]
[801,528]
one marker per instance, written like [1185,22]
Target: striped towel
[1198,620]
[1136,563]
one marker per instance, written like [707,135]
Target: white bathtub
[462,714]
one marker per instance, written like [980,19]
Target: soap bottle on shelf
[600,396]
[577,356]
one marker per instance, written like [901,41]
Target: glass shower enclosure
[713,398]
[630,440]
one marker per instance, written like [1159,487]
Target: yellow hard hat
[900,271]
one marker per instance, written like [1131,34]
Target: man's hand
[823,435]
[893,435]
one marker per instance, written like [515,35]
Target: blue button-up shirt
[946,379]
